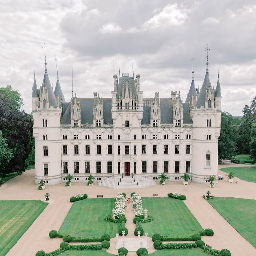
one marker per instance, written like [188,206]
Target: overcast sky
[158,39]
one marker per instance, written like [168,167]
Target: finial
[132,70]
[72,83]
[192,60]
[45,64]
[56,61]
[207,63]
[34,75]
[218,75]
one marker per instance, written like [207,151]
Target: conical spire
[34,88]
[192,89]
[45,64]
[218,90]
[58,92]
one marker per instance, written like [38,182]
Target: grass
[243,158]
[181,252]
[16,217]
[86,253]
[240,213]
[243,173]
[86,218]
[171,218]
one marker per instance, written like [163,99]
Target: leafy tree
[13,95]
[5,154]
[253,142]
[228,136]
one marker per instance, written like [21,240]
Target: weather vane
[44,49]
[207,50]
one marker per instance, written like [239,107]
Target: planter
[43,187]
[230,180]
[185,182]
[212,185]
[91,184]
[163,183]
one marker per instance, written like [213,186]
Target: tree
[5,154]
[13,95]
[253,142]
[228,137]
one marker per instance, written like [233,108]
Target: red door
[127,169]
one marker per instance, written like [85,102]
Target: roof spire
[218,75]
[192,60]
[56,61]
[45,64]
[207,62]
[72,83]
[34,75]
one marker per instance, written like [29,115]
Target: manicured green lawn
[240,213]
[86,253]
[86,218]
[16,216]
[171,218]
[182,252]
[243,173]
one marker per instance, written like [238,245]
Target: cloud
[110,28]
[211,20]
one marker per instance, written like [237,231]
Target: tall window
[76,150]
[143,149]
[165,149]
[209,122]
[209,103]
[154,166]
[166,166]
[165,136]
[118,167]
[118,150]
[98,149]
[45,169]
[110,149]
[154,123]
[98,167]
[134,136]
[177,166]
[188,136]
[45,149]
[144,166]
[44,122]
[75,123]
[109,137]
[209,137]
[76,167]
[87,167]
[65,167]
[134,167]
[65,149]
[187,166]
[75,137]
[109,167]
[65,137]
[98,123]
[208,159]
[127,124]
[126,149]
[134,150]
[87,137]
[187,149]
[118,137]
[177,149]
[154,149]
[87,149]
[144,136]
[45,137]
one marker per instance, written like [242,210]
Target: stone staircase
[127,182]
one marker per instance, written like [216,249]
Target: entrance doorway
[127,169]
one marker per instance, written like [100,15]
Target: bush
[67,238]
[40,253]
[200,243]
[122,251]
[67,183]
[53,234]
[64,245]
[40,187]
[121,229]
[124,194]
[177,196]
[142,252]
[105,237]
[139,228]
[133,193]
[157,237]
[78,197]
[136,219]
[208,232]
[105,244]
[158,245]
[225,252]
[182,197]
[195,237]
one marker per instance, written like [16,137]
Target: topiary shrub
[225,252]
[195,237]
[64,245]
[122,251]
[40,253]
[157,237]
[200,243]
[105,237]
[67,238]
[158,245]
[136,219]
[105,244]
[121,229]
[139,228]
[53,234]
[182,197]
[142,252]
[124,194]
[133,193]
[208,232]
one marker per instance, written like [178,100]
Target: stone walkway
[36,238]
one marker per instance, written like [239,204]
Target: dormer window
[209,103]
[177,122]
[154,123]
[98,123]
[75,123]
[126,105]
[127,124]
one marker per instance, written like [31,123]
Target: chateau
[126,134]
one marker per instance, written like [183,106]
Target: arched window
[209,103]
[44,103]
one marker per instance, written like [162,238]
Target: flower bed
[137,205]
[120,205]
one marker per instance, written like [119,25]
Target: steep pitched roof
[201,98]
[218,90]
[58,91]
[192,91]
[47,84]
[34,88]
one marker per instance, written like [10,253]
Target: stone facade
[127,133]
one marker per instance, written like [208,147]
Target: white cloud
[211,20]
[110,28]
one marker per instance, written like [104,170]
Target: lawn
[244,158]
[16,216]
[182,252]
[240,213]
[171,218]
[86,253]
[86,218]
[243,173]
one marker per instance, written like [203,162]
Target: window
[109,167]
[126,149]
[188,136]
[165,136]
[109,137]
[87,137]
[144,166]
[166,166]
[187,166]
[65,137]
[154,136]
[144,136]
[177,122]
[65,167]
[45,148]
[98,149]
[165,149]
[177,136]
[134,150]
[187,149]
[154,123]
[154,166]
[87,149]
[110,149]
[208,159]
[65,149]
[44,137]
[118,167]
[177,149]
[134,167]
[126,105]
[76,167]
[118,150]
[143,149]
[209,103]
[98,167]
[98,137]
[135,137]
[154,149]
[44,122]
[75,123]
[209,123]
[75,137]
[209,137]
[126,123]
[98,123]
[177,166]
[45,169]
[118,137]
[87,167]
[76,150]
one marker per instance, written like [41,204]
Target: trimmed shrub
[182,197]
[158,245]
[208,232]
[40,253]
[157,237]
[122,251]
[121,229]
[133,193]
[53,234]
[105,244]
[177,196]
[67,238]
[105,237]
[225,252]
[78,197]
[64,245]
[124,194]
[136,219]
[40,187]
[142,252]
[200,243]
[195,237]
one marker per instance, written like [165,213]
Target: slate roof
[51,96]
[201,98]
[192,91]
[58,91]
[122,80]
[35,91]
[218,90]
